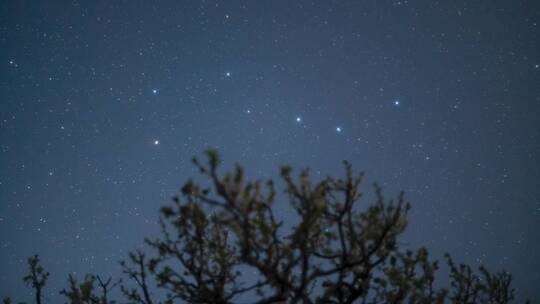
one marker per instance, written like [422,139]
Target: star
[396,103]
[298,119]
[154,91]
[228,74]
[156,142]
[338,129]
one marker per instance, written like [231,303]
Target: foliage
[335,252]
[36,278]
[84,292]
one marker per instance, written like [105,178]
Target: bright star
[154,91]
[298,119]
[338,129]
[156,142]
[228,74]
[396,103]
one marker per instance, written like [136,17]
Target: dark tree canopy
[36,278]
[336,252]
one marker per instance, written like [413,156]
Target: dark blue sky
[103,104]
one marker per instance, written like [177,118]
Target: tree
[334,251]
[337,251]
[136,269]
[84,292]
[37,277]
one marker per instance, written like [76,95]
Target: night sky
[104,103]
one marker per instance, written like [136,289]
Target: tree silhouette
[334,251]
[37,277]
[136,269]
[84,292]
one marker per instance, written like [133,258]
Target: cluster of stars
[298,119]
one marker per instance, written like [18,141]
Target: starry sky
[104,103]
